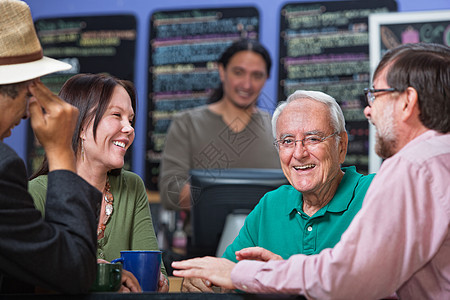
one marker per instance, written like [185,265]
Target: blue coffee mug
[145,266]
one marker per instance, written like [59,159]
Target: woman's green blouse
[130,226]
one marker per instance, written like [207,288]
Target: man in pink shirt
[399,242]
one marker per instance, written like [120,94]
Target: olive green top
[130,226]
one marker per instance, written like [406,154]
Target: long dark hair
[91,94]
[238,46]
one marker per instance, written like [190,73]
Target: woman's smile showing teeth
[120,144]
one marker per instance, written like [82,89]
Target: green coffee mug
[108,278]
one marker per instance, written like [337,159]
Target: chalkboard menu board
[184,48]
[393,35]
[324,46]
[94,44]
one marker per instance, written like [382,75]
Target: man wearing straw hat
[58,252]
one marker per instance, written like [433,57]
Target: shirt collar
[422,137]
[341,199]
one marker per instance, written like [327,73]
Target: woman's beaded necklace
[109,199]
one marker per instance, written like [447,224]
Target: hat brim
[27,71]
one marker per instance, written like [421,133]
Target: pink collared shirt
[398,242]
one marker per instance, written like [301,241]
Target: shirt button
[244,286]
[309,228]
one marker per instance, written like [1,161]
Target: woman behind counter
[104,132]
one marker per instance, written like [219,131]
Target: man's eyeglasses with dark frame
[370,94]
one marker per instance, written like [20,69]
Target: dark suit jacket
[58,252]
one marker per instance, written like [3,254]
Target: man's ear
[410,103]
[343,144]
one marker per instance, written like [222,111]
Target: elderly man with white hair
[312,212]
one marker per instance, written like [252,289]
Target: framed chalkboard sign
[393,29]
[184,48]
[324,46]
[91,44]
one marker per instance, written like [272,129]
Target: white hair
[336,114]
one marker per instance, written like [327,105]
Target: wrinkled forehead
[304,115]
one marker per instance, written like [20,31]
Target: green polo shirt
[279,224]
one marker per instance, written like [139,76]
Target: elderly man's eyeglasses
[370,94]
[308,142]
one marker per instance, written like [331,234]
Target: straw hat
[21,56]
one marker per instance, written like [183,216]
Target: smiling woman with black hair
[104,133]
